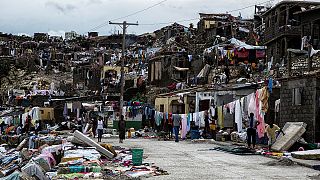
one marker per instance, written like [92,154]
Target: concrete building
[300,102]
[41,36]
[168,68]
[283,27]
[71,35]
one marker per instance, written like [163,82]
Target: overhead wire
[132,14]
[162,23]
[185,20]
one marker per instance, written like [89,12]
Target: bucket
[195,134]
[137,155]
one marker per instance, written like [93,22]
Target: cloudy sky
[58,16]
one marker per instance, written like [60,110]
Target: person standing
[94,127]
[122,129]
[19,129]
[206,124]
[100,129]
[37,127]
[227,73]
[176,125]
[27,124]
[252,131]
[271,131]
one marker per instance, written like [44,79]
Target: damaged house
[283,27]
[171,67]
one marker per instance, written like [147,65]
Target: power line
[132,14]
[145,9]
[162,23]
[249,6]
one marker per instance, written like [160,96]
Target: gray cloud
[29,16]
[61,7]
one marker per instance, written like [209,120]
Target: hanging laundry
[238,116]
[231,107]
[183,126]
[277,105]
[189,119]
[270,85]
[212,111]
[201,119]
[259,115]
[264,97]
[220,117]
[159,118]
[251,104]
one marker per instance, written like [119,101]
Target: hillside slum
[224,68]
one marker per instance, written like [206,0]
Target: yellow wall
[46,113]
[166,101]
[207,24]
[115,68]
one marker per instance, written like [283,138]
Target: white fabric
[212,111]
[201,119]
[24,117]
[231,107]
[238,115]
[252,105]
[277,105]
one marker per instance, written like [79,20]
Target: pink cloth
[259,115]
[231,107]
[184,125]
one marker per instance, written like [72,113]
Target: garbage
[280,162]
[63,159]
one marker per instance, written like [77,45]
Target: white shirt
[100,124]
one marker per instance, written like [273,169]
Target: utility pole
[124,25]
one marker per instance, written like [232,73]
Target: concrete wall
[46,113]
[117,68]
[305,112]
[167,102]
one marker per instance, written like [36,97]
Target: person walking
[122,129]
[176,125]
[252,131]
[100,129]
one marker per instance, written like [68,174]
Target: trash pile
[81,158]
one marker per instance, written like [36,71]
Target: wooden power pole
[124,25]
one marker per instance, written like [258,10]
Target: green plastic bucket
[137,156]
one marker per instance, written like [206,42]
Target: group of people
[97,126]
[21,129]
[271,131]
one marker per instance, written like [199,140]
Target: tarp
[204,71]
[239,44]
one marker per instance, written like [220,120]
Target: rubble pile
[53,157]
